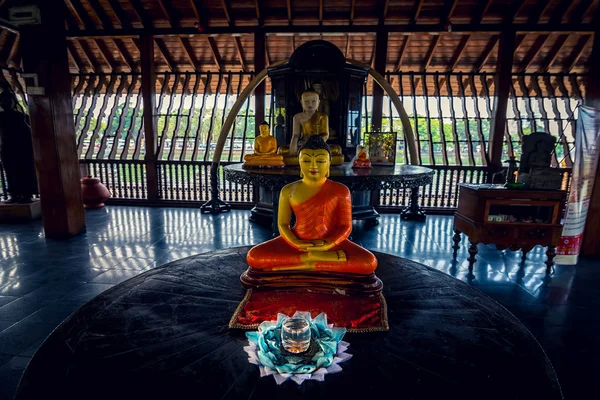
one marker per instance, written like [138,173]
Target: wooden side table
[509,218]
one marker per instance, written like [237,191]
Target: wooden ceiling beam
[167,12]
[75,59]
[199,16]
[402,53]
[487,51]
[125,56]
[352,8]
[240,52]
[189,52]
[122,17]
[145,19]
[227,10]
[347,52]
[289,11]
[429,56]
[582,43]
[560,11]
[81,14]
[478,17]
[418,28]
[164,52]
[538,13]
[384,10]
[464,41]
[214,50]
[105,53]
[100,14]
[553,53]
[539,43]
[70,20]
[449,6]
[259,15]
[416,12]
[580,11]
[87,55]
[320,12]
[267,56]
[515,10]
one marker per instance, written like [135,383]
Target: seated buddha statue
[265,151]
[317,244]
[361,160]
[309,122]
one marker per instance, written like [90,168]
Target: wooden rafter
[464,41]
[293,42]
[105,53]
[416,11]
[100,14]
[75,59]
[560,11]
[14,48]
[352,7]
[553,53]
[199,16]
[188,51]
[486,53]
[384,10]
[125,56]
[259,16]
[449,6]
[75,56]
[482,10]
[539,43]
[138,45]
[167,12]
[227,11]
[214,50]
[538,13]
[582,43]
[4,38]
[164,52]
[288,4]
[515,10]
[347,52]
[267,56]
[429,56]
[580,11]
[138,7]
[320,12]
[240,52]
[81,14]
[85,50]
[119,13]
[70,20]
[402,52]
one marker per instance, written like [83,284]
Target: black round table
[361,182]
[164,334]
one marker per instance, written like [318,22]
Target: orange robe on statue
[327,216]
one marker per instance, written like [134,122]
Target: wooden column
[44,50]
[506,49]
[590,247]
[259,92]
[148,90]
[381,43]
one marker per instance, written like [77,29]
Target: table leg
[456,240]
[472,254]
[413,212]
[524,256]
[551,253]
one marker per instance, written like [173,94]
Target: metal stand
[413,212]
[215,205]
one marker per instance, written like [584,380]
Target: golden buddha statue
[318,242]
[265,150]
[309,122]
[361,160]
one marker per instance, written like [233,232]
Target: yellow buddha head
[264,129]
[310,101]
[314,159]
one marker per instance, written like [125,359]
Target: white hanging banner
[585,165]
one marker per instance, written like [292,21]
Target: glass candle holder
[295,335]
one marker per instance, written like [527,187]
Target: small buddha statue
[361,160]
[309,122]
[265,151]
[318,241]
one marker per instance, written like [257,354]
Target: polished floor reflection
[43,281]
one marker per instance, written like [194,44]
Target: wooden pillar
[381,43]
[44,51]
[590,246]
[506,50]
[148,90]
[259,92]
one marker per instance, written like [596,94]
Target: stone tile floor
[43,281]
